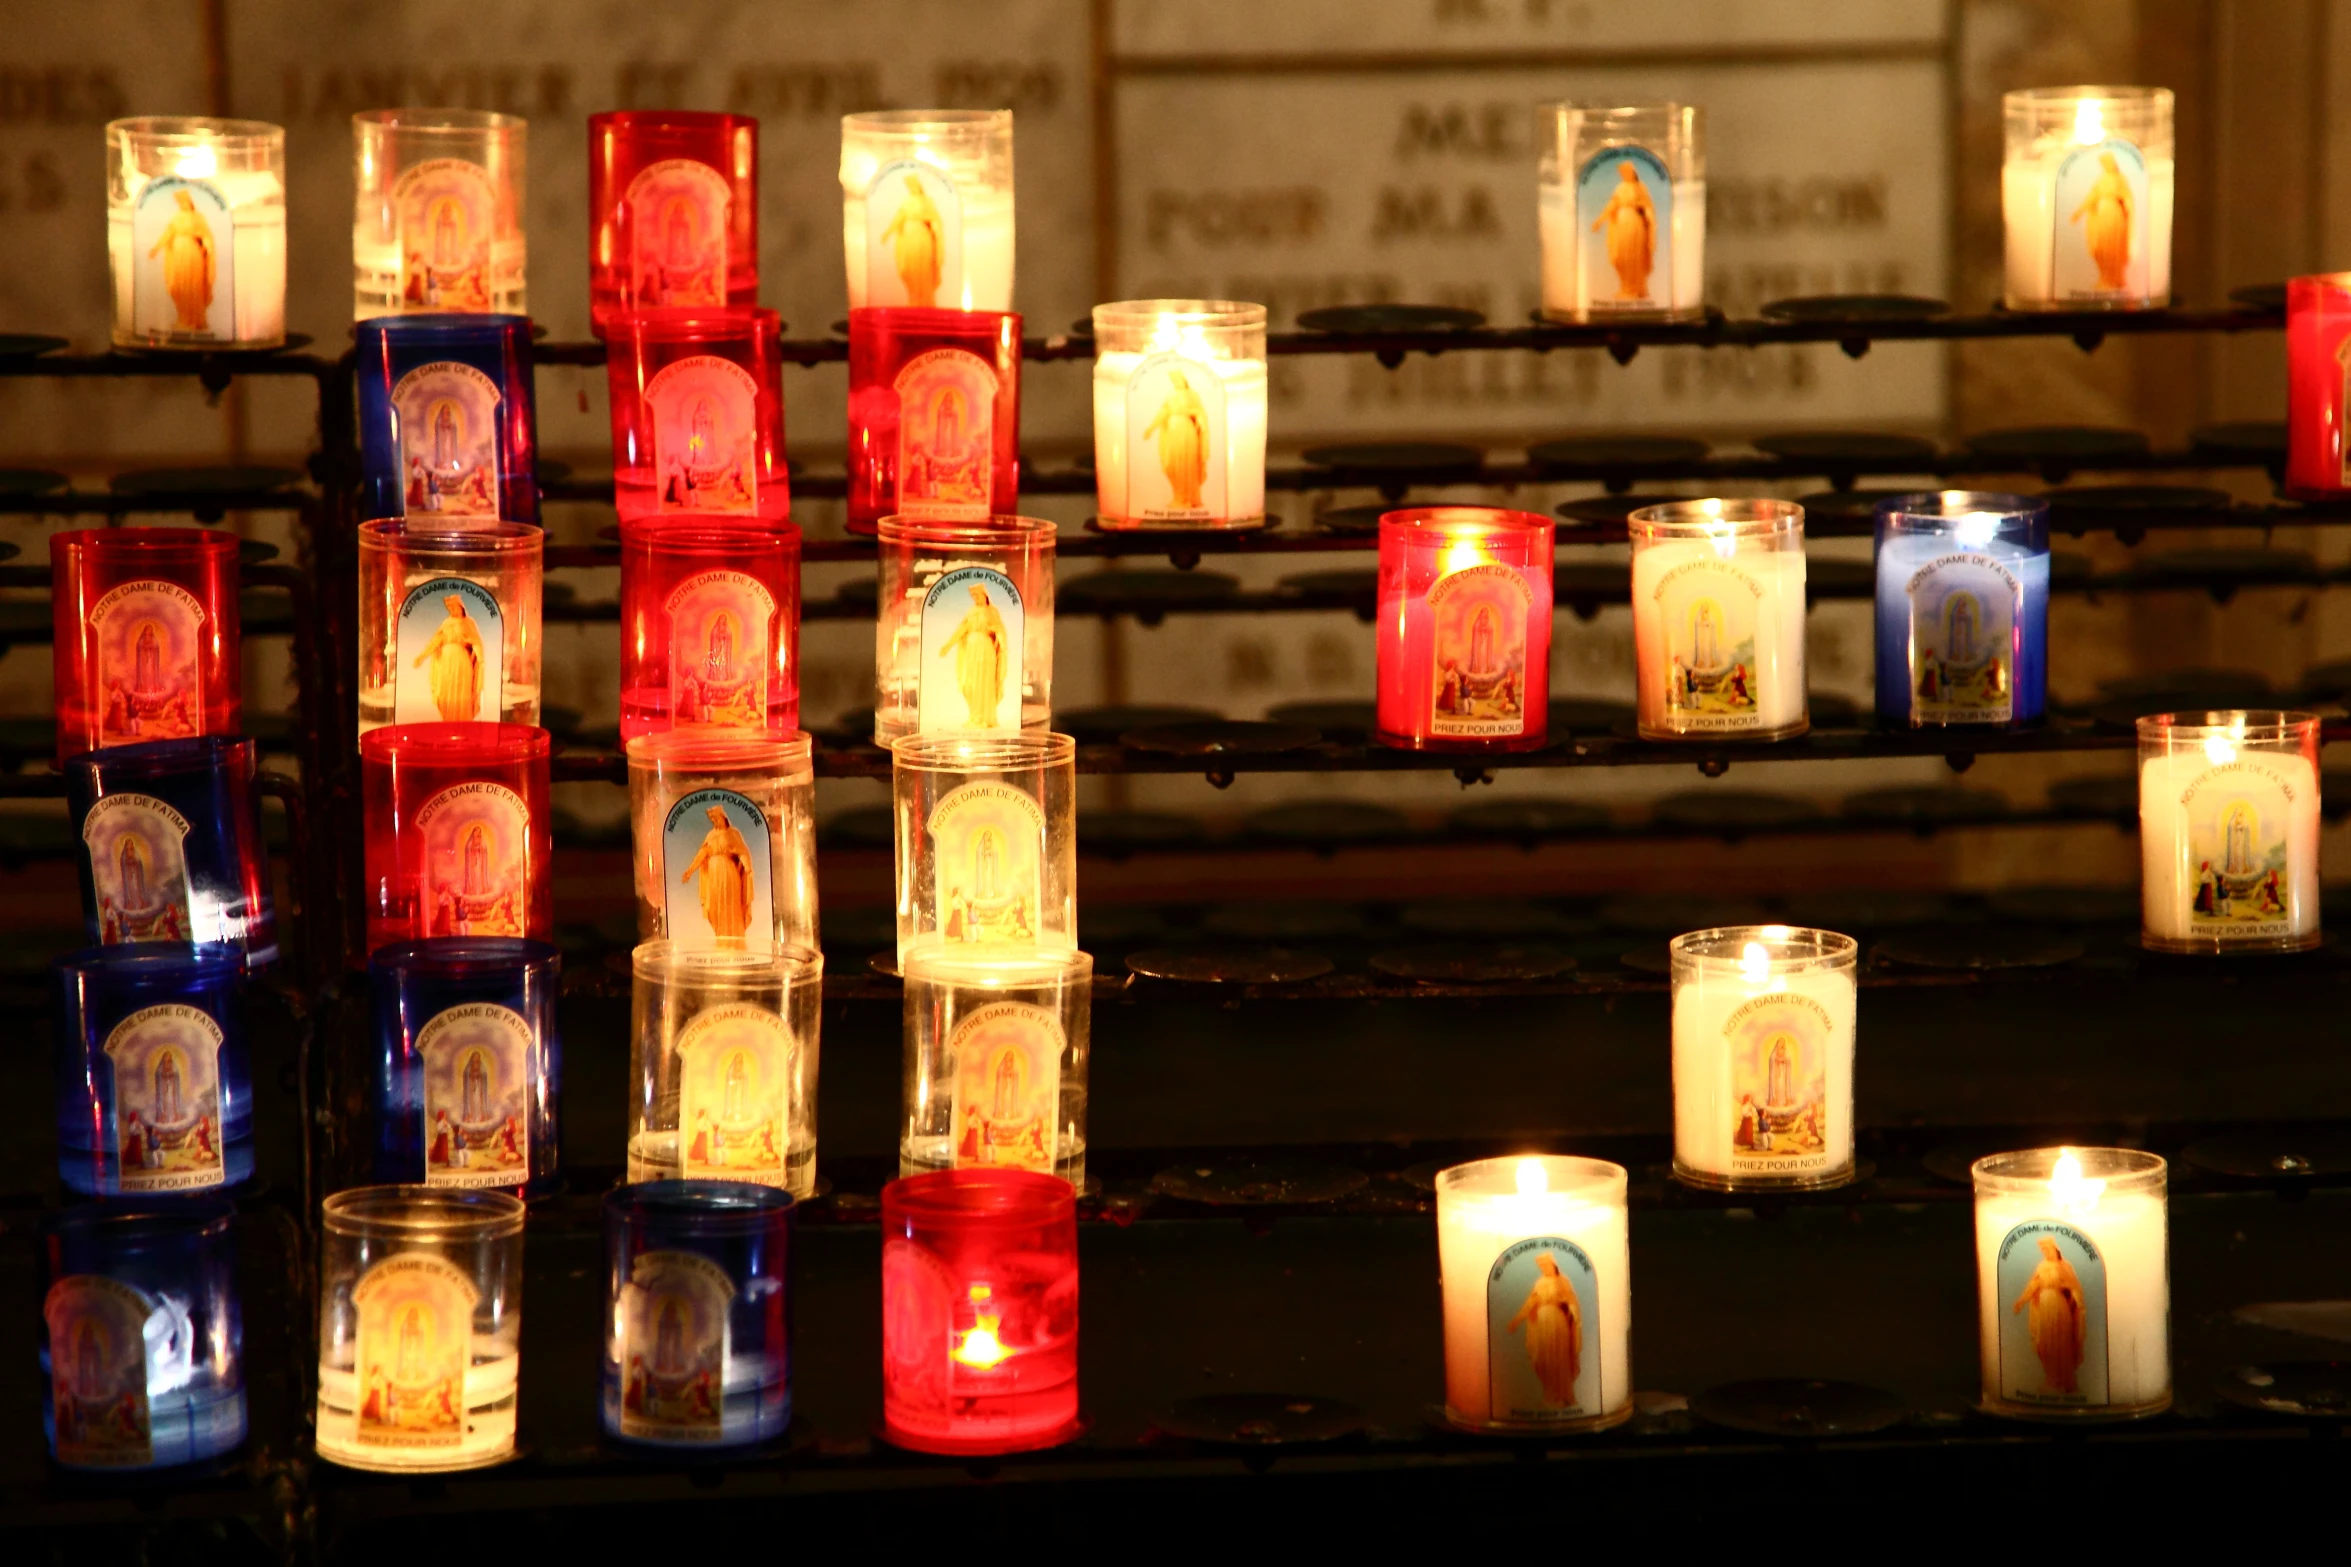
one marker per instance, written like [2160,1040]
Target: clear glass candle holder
[2073,1284]
[1962,608]
[697,411]
[420,1328]
[438,224]
[979,1312]
[1763,1021]
[468,1078]
[171,845]
[934,416]
[449,622]
[2228,832]
[458,839]
[926,208]
[2318,387]
[1718,620]
[697,1314]
[1179,414]
[710,625]
[145,636]
[2086,197]
[1464,631]
[1621,203]
[673,210]
[154,1079]
[986,841]
[963,633]
[448,428]
[142,1336]
[723,1054]
[1538,1292]
[724,831]
[196,232]
[996,1054]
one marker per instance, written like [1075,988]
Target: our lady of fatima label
[717,870]
[719,649]
[98,1371]
[2099,238]
[970,676]
[446,211]
[1962,644]
[1779,1085]
[1176,453]
[449,659]
[2051,1299]
[1543,1332]
[946,436]
[476,1063]
[415,1343]
[448,416]
[673,1347]
[1006,1061]
[734,1067]
[150,651]
[1624,230]
[183,262]
[1478,661]
[1708,610]
[166,1065]
[2237,814]
[987,858]
[139,869]
[678,212]
[476,855]
[913,237]
[705,435]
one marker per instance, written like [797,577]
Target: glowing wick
[1755,963]
[981,1347]
[2088,128]
[197,163]
[1532,1181]
[2067,1185]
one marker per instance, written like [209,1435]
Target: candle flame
[1462,551]
[2068,1186]
[1755,963]
[1976,529]
[197,163]
[981,1347]
[2089,127]
[1533,1181]
[1171,335]
[2220,750]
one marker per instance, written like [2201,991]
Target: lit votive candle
[697,411]
[438,223]
[1962,608]
[2073,1284]
[723,1053]
[1179,414]
[145,636]
[196,232]
[1718,619]
[1464,629]
[673,210]
[963,626]
[710,625]
[420,1328]
[449,621]
[154,1080]
[2318,387]
[926,208]
[448,423]
[1763,1058]
[934,415]
[996,1055]
[1621,195]
[2228,832]
[1538,1294]
[725,838]
[171,844]
[2086,193]
[468,1062]
[458,839]
[986,841]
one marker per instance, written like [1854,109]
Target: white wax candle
[981,276]
[1237,448]
[2228,847]
[2073,1294]
[1718,637]
[257,247]
[1567,291]
[1538,1299]
[2036,231]
[1762,1070]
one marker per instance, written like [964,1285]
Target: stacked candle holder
[457,832]
[963,634]
[146,633]
[723,1058]
[171,845]
[710,617]
[697,412]
[724,827]
[449,621]
[468,1066]
[438,223]
[986,841]
[448,429]
[673,210]
[934,415]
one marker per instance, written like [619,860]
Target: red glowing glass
[934,415]
[457,833]
[145,622]
[710,625]
[979,1311]
[697,412]
[673,210]
[2318,386]
[1464,633]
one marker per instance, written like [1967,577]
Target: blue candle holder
[697,1314]
[446,423]
[141,1341]
[154,1088]
[469,1065]
[1962,609]
[171,844]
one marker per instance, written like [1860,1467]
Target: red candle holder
[979,1312]
[673,210]
[697,412]
[710,625]
[1464,629]
[457,834]
[2318,386]
[934,415]
[146,636]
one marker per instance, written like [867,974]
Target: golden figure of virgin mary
[917,237]
[1555,1331]
[1181,429]
[1631,222]
[2058,1320]
[189,264]
[724,865]
[456,656]
[982,651]
[2107,232]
